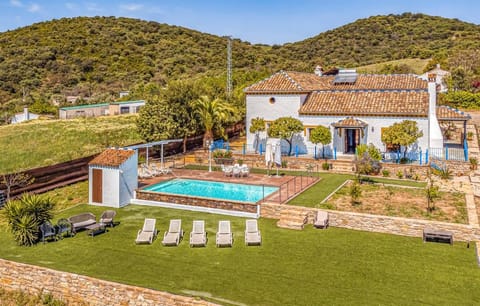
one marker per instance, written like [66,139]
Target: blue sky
[260,21]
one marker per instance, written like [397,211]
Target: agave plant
[25,215]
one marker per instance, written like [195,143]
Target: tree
[19,179]
[431,193]
[257,126]
[402,133]
[169,114]
[355,192]
[26,214]
[367,159]
[321,134]
[211,114]
[285,128]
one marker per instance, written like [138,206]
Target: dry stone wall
[77,289]
[375,223]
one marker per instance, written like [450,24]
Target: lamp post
[209,144]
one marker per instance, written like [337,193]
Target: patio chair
[48,231]
[244,170]
[63,226]
[224,234]
[198,236]
[174,233]
[227,170]
[252,234]
[148,232]
[236,170]
[321,219]
[107,217]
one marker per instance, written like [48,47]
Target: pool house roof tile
[112,157]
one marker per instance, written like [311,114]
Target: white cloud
[16,3]
[32,8]
[131,7]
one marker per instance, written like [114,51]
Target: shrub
[404,160]
[240,162]
[221,153]
[25,215]
[355,192]
[400,174]
[385,173]
[367,165]
[284,164]
[469,135]
[444,173]
[473,163]
[325,166]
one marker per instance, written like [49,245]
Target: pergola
[148,145]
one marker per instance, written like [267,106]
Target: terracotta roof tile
[291,81]
[367,103]
[445,112]
[112,157]
[350,122]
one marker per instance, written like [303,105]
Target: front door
[97,181]
[351,140]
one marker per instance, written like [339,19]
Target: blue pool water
[216,190]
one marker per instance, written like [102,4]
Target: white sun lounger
[148,232]
[198,236]
[252,234]
[321,219]
[174,233]
[224,234]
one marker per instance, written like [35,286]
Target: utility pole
[229,66]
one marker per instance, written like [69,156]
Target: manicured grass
[313,196]
[43,143]
[335,266]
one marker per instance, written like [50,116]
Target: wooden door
[97,190]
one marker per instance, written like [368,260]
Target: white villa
[356,107]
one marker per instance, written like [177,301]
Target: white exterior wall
[128,180]
[288,105]
[260,106]
[370,136]
[110,187]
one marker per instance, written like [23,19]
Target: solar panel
[346,76]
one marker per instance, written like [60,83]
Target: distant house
[440,76]
[125,107]
[92,110]
[355,107]
[25,116]
[123,93]
[102,109]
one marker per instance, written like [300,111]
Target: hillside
[99,56]
[384,38]
[29,145]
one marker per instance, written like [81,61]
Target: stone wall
[376,223]
[194,201]
[77,289]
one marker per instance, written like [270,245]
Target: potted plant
[222,156]
[469,135]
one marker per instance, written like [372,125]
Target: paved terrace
[290,186]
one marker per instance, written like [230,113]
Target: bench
[81,221]
[430,234]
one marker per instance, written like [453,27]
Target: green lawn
[313,196]
[41,143]
[333,266]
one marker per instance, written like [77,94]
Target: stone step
[290,225]
[292,219]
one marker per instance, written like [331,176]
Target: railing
[292,187]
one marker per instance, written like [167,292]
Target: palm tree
[211,113]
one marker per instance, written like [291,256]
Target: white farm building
[356,107]
[113,177]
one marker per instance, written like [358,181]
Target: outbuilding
[113,177]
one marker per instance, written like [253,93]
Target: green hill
[100,56]
[385,38]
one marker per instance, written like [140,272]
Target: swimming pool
[212,189]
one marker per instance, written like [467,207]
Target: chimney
[26,114]
[438,66]
[318,70]
[435,135]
